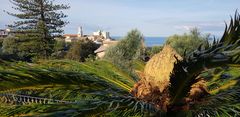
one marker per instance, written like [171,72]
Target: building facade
[97,37]
[106,35]
[100,37]
[4,32]
[105,45]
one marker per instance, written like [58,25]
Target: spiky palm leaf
[72,92]
[186,72]
[224,104]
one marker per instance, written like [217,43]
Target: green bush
[1,42]
[150,51]
[24,47]
[59,45]
[188,41]
[127,50]
[81,50]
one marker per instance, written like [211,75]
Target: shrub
[188,41]
[128,49]
[150,51]
[1,42]
[59,45]
[24,47]
[81,50]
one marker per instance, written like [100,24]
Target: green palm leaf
[223,104]
[81,93]
[186,72]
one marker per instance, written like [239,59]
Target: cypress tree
[40,18]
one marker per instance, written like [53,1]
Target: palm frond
[22,76]
[181,81]
[226,103]
[26,90]
[186,72]
[103,69]
[123,105]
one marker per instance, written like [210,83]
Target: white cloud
[184,27]
[214,25]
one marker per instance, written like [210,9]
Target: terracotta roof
[71,35]
[104,47]
[110,42]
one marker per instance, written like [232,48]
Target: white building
[74,37]
[80,31]
[98,36]
[71,37]
[4,32]
[105,45]
[106,35]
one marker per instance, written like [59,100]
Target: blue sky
[151,17]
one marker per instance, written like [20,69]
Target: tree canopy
[128,49]
[42,19]
[188,42]
[35,12]
[81,50]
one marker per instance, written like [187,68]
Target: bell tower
[80,31]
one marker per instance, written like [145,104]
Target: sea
[149,41]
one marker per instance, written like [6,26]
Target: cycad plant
[63,88]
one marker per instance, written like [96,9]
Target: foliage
[127,50]
[156,49]
[42,19]
[221,79]
[139,65]
[42,32]
[81,50]
[45,12]
[186,72]
[58,55]
[1,42]
[188,42]
[23,46]
[100,88]
[60,49]
[153,50]
[102,69]
[59,45]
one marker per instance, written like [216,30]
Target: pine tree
[41,18]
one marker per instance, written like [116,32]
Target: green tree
[1,44]
[24,46]
[41,18]
[59,45]
[188,42]
[128,49]
[81,50]
[153,50]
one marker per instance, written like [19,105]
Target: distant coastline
[149,41]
